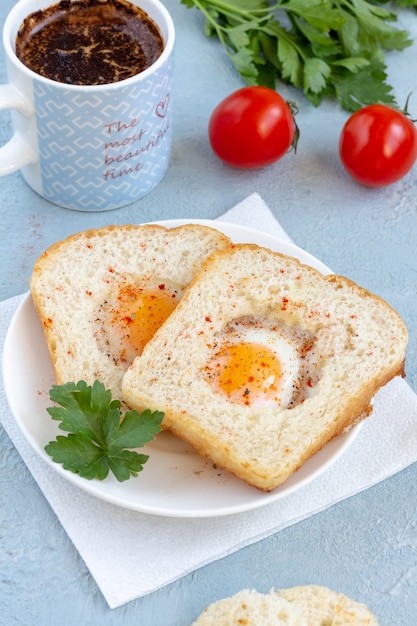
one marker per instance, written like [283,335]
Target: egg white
[298,364]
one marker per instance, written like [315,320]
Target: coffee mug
[89,147]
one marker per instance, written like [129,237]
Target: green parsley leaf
[366,86]
[327,48]
[316,73]
[291,62]
[99,438]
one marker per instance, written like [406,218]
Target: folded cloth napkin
[131,554]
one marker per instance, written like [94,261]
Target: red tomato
[378,145]
[252,127]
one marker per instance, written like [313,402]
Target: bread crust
[360,340]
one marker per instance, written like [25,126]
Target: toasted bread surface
[86,287]
[252,608]
[305,605]
[321,606]
[344,343]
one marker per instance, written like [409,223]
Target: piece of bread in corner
[214,367]
[102,293]
[305,605]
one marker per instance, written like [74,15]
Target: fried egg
[261,363]
[131,314]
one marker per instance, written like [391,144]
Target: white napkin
[131,554]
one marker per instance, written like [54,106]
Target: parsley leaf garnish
[99,436]
[327,48]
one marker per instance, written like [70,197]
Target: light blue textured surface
[365,546]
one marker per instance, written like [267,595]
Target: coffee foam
[89,42]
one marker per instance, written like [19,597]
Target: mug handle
[16,153]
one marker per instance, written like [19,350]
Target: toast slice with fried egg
[265,360]
[101,294]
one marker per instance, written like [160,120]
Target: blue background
[365,546]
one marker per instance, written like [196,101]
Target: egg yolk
[131,317]
[141,314]
[248,373]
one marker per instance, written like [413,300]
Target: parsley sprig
[99,436]
[327,48]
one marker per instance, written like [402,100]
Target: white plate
[175,481]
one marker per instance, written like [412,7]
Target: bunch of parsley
[327,48]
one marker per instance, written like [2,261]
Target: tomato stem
[405,111]
[294,110]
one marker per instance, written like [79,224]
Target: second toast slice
[102,293]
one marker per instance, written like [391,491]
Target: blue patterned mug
[89,147]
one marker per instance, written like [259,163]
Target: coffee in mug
[85,146]
[89,42]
